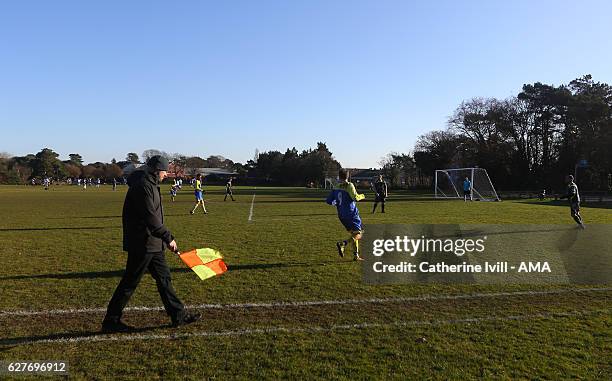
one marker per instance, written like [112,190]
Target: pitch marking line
[251,211]
[311,329]
[313,302]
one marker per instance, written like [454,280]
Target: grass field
[62,250]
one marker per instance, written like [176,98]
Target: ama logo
[538,267]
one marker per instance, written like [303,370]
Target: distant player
[467,189]
[173,190]
[46,183]
[115,184]
[542,195]
[228,190]
[199,194]
[574,200]
[344,198]
[381,190]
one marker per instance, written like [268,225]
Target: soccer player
[380,188]
[467,189]
[199,194]
[228,190]
[344,198]
[115,184]
[574,199]
[173,189]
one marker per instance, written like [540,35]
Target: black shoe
[115,326]
[187,318]
[340,247]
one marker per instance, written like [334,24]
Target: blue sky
[201,77]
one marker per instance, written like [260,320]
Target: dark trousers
[382,203]
[230,194]
[137,264]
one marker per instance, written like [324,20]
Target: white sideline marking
[251,211]
[311,303]
[311,329]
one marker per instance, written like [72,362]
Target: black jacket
[143,214]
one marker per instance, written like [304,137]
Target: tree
[193,163]
[73,170]
[399,169]
[147,154]
[133,158]
[47,163]
[112,171]
[76,159]
[178,164]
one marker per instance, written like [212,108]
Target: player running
[173,190]
[573,197]
[199,194]
[344,198]
[228,190]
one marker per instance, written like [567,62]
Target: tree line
[528,141]
[272,167]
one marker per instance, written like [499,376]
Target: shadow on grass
[60,228]
[106,217]
[14,341]
[119,273]
[564,203]
[297,215]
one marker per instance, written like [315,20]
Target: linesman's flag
[205,262]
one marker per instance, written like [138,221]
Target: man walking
[380,188]
[228,190]
[573,196]
[144,238]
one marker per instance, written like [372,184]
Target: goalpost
[330,182]
[449,184]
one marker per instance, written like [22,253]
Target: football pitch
[289,306]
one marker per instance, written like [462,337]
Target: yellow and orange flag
[206,262]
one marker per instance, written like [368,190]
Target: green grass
[62,249]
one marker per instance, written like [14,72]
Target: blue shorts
[199,195]
[352,224]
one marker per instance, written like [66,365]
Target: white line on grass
[310,329]
[251,211]
[313,302]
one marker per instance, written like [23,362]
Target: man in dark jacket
[144,238]
[380,188]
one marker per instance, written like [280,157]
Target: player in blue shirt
[467,189]
[344,197]
[199,194]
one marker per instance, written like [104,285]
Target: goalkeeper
[344,198]
[574,199]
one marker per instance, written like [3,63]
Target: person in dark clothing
[144,238]
[380,188]
[573,196]
[228,190]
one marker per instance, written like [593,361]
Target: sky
[227,77]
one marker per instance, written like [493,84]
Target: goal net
[449,184]
[330,182]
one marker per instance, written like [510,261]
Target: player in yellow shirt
[199,194]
